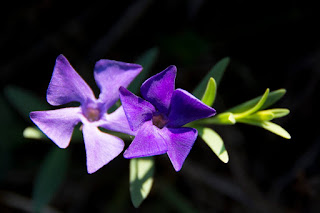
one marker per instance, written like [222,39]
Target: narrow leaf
[177,201]
[146,61]
[279,112]
[215,142]
[141,179]
[10,125]
[264,115]
[210,93]
[272,127]
[267,115]
[225,118]
[49,179]
[216,72]
[272,98]
[24,101]
[254,108]
[220,68]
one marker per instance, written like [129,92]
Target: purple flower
[67,86]
[158,119]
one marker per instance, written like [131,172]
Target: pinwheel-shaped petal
[66,86]
[159,119]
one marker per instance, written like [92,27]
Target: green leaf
[24,101]
[253,109]
[216,72]
[49,179]
[267,115]
[146,61]
[33,133]
[279,112]
[225,118]
[272,98]
[264,115]
[176,200]
[141,179]
[10,126]
[215,142]
[210,93]
[272,127]
[185,47]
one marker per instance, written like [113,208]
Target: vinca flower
[66,86]
[158,120]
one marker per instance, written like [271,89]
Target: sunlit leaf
[216,72]
[279,112]
[272,127]
[146,61]
[210,93]
[33,133]
[141,179]
[273,97]
[50,177]
[24,101]
[225,118]
[254,108]
[264,115]
[267,115]
[215,142]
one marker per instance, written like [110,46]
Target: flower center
[159,120]
[92,114]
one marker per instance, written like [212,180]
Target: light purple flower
[158,119]
[67,86]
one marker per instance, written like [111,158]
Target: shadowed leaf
[216,72]
[24,101]
[146,61]
[49,179]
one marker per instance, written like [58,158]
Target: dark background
[271,45]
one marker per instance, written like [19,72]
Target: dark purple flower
[158,119]
[67,86]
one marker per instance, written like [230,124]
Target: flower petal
[186,108]
[137,110]
[66,85]
[159,88]
[117,121]
[101,148]
[180,142]
[57,124]
[110,75]
[148,142]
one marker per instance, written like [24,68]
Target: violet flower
[159,118]
[67,86]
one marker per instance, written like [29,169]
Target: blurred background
[270,44]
